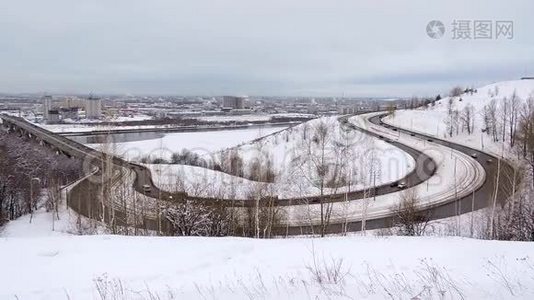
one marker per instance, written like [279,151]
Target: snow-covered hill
[432,120]
[39,265]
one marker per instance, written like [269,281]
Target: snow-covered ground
[286,147]
[283,148]
[40,264]
[201,142]
[432,120]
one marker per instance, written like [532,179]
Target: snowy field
[432,120]
[56,265]
[201,142]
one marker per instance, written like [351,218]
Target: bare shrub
[333,271]
[109,289]
[194,218]
[408,218]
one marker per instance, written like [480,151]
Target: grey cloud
[360,48]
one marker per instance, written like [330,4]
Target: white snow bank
[60,267]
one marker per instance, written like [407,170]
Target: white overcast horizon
[271,48]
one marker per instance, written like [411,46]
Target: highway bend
[424,169]
[425,166]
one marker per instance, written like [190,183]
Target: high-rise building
[53,116]
[232,102]
[93,108]
[47,106]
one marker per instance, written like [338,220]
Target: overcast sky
[304,47]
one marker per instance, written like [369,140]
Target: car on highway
[430,140]
[394,184]
[412,134]
[402,185]
[147,189]
[489,161]
[474,155]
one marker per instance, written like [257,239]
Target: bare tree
[319,162]
[490,119]
[504,116]
[526,125]
[456,91]
[467,118]
[515,104]
[449,119]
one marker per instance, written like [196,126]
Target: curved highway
[479,198]
[424,168]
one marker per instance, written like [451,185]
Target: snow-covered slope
[77,267]
[432,119]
